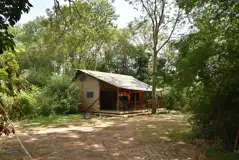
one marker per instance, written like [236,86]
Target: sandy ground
[136,138]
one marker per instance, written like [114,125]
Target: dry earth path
[137,138]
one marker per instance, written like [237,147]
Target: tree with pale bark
[164,16]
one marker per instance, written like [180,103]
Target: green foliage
[43,121]
[216,154]
[118,54]
[28,102]
[10,82]
[69,37]
[10,14]
[8,72]
[59,96]
[172,98]
[159,14]
[63,41]
[38,78]
[141,64]
[10,105]
[207,66]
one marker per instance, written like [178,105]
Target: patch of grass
[52,120]
[216,154]
[169,131]
[182,134]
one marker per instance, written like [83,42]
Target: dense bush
[215,112]
[28,102]
[59,96]
[172,98]
[10,105]
[208,64]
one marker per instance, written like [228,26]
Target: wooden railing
[160,103]
[131,105]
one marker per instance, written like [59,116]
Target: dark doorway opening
[108,100]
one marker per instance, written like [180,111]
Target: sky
[123,9]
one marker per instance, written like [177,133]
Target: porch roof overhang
[120,81]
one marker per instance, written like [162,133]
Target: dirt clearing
[162,137]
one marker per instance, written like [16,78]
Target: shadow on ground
[144,137]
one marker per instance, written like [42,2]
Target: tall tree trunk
[155,54]
[154,104]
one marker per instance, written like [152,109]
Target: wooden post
[99,96]
[140,96]
[134,100]
[117,105]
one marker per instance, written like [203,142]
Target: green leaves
[70,37]
[207,66]
[8,70]
[6,41]
[59,96]
[10,14]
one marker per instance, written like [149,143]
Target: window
[90,94]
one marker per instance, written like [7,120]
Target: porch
[122,101]
[124,113]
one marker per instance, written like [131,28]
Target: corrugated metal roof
[119,80]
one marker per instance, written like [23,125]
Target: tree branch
[155,15]
[57,6]
[164,25]
[148,11]
[169,5]
[170,35]
[162,13]
[77,10]
[155,12]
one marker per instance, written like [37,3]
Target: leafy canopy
[10,14]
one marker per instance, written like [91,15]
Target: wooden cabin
[109,92]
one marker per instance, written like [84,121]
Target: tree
[207,66]
[141,64]
[72,38]
[85,47]
[117,55]
[10,14]
[157,12]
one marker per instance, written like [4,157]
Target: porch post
[117,105]
[140,96]
[134,100]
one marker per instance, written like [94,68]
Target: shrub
[45,104]
[10,105]
[172,99]
[38,78]
[215,112]
[28,102]
[59,96]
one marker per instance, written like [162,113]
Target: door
[108,100]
